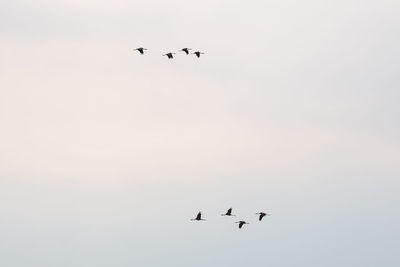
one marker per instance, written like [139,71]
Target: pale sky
[105,155]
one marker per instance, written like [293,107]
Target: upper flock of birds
[261,215]
[170,55]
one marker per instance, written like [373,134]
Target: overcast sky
[105,154]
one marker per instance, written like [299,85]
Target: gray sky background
[105,155]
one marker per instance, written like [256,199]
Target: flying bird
[186,50]
[198,217]
[241,223]
[169,55]
[228,213]
[198,53]
[262,215]
[141,50]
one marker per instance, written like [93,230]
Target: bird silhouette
[241,223]
[186,50]
[228,213]
[198,217]
[141,50]
[198,53]
[262,215]
[169,55]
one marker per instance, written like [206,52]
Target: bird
[198,53]
[169,55]
[228,213]
[198,217]
[262,214]
[241,223]
[186,50]
[141,50]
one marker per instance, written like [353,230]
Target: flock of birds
[170,55]
[261,215]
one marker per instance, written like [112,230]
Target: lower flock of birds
[170,55]
[261,215]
